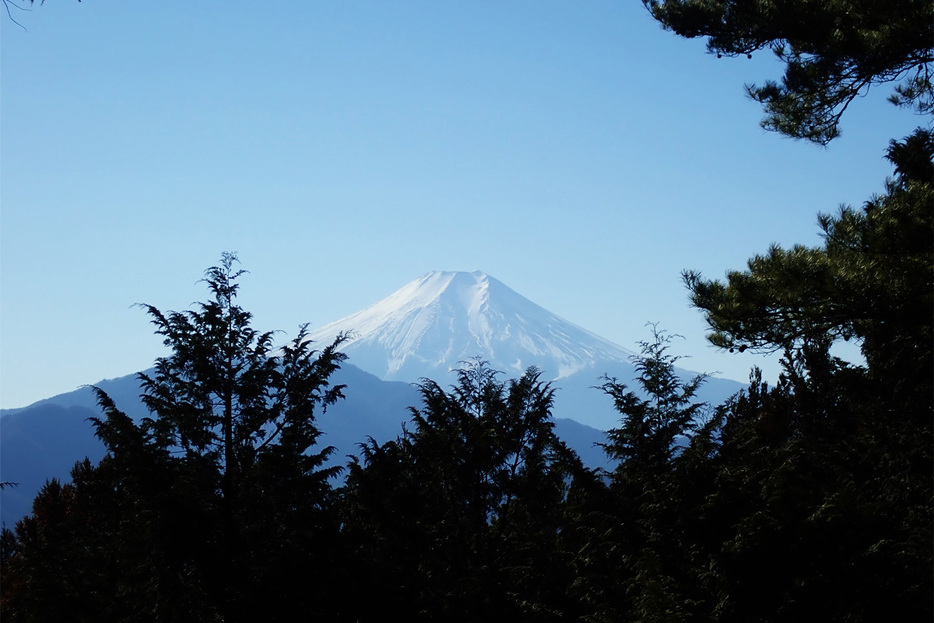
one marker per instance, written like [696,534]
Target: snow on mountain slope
[425,329]
[435,323]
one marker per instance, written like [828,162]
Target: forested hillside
[809,499]
[811,496]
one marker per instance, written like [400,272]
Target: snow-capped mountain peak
[442,319]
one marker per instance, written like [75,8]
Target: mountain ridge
[426,329]
[436,322]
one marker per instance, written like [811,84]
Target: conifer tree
[216,505]
[827,475]
[459,518]
[872,281]
[647,440]
[635,562]
[833,51]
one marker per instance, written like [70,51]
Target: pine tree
[827,475]
[872,281]
[833,52]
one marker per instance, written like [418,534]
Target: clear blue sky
[573,150]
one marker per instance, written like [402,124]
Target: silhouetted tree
[213,507]
[460,518]
[832,52]
[871,281]
[825,479]
[636,556]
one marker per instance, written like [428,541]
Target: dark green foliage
[872,280]
[651,427]
[459,519]
[809,499]
[232,433]
[822,503]
[820,508]
[833,51]
[61,531]
[806,499]
[633,535]
[211,508]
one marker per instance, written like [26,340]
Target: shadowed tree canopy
[833,51]
[460,519]
[213,507]
[872,280]
[646,440]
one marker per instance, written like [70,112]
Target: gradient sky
[573,150]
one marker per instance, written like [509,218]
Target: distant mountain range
[426,329]
[434,324]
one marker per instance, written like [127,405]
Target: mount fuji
[437,322]
[442,320]
[426,329]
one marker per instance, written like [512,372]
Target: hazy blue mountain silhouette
[426,329]
[45,440]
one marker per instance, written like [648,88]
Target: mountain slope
[45,439]
[442,319]
[424,330]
